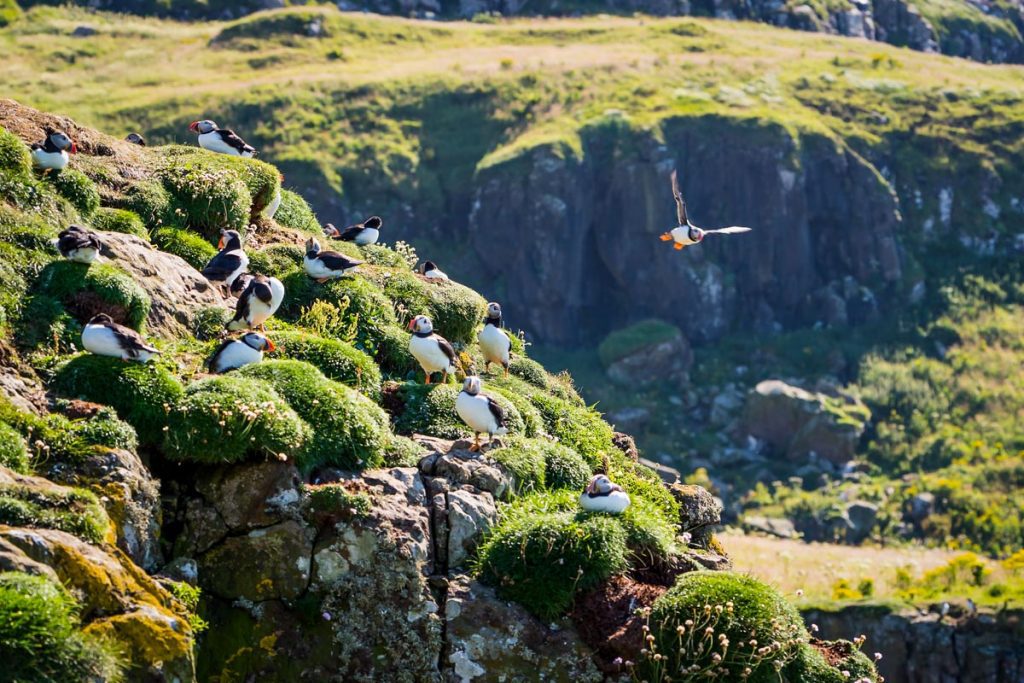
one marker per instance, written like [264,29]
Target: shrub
[224,419]
[142,394]
[76,187]
[455,310]
[276,260]
[195,250]
[335,359]
[295,213]
[430,409]
[541,560]
[579,428]
[403,452]
[335,499]
[564,468]
[13,453]
[207,198]
[640,335]
[810,665]
[40,638]
[107,430]
[523,461]
[349,430]
[75,511]
[95,288]
[119,220]
[529,370]
[151,202]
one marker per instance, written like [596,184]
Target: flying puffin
[104,337]
[326,265]
[260,300]
[434,352]
[230,262]
[221,140]
[494,342]
[136,139]
[52,153]
[234,353]
[430,271]
[78,244]
[480,411]
[686,233]
[601,495]
[362,234]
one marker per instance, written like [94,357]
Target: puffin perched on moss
[429,270]
[235,353]
[495,345]
[480,411]
[102,336]
[601,495]
[260,300]
[324,265]
[136,139]
[52,153]
[78,244]
[686,233]
[362,234]
[221,140]
[433,352]
[230,262]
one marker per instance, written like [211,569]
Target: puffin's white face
[471,386]
[63,142]
[421,324]
[330,230]
[600,484]
[257,341]
[312,246]
[695,234]
[204,126]
[228,235]
[493,310]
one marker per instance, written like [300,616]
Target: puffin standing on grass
[260,300]
[494,342]
[102,336]
[230,262]
[362,234]
[221,140]
[430,271]
[326,265]
[78,244]
[686,233]
[235,353]
[601,495]
[52,153]
[480,411]
[434,352]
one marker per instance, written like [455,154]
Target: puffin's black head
[427,267]
[229,239]
[61,141]
[136,139]
[312,247]
[330,230]
[695,234]
[373,222]
[494,313]
[100,319]
[257,341]
[204,126]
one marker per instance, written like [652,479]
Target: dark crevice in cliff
[439,529]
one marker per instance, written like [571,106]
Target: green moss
[95,288]
[40,638]
[335,359]
[151,202]
[75,511]
[403,452]
[623,342]
[810,665]
[119,220]
[533,424]
[207,198]
[736,606]
[392,352]
[579,428]
[455,310]
[14,156]
[564,468]
[529,370]
[76,187]
[349,430]
[295,213]
[142,394]
[13,453]
[523,460]
[430,409]
[225,419]
[335,499]
[188,596]
[208,323]
[106,429]
[186,244]
[276,260]
[382,255]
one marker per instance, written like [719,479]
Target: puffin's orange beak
[194,126]
[220,242]
[74,148]
[271,346]
[412,324]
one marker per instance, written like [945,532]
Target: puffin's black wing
[350,233]
[337,261]
[496,411]
[446,347]
[259,287]
[240,284]
[230,138]
[680,202]
[36,145]
[220,349]
[129,339]
[221,266]
[76,238]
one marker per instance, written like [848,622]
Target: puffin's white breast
[52,160]
[274,205]
[429,354]
[213,142]
[475,411]
[494,344]
[259,311]
[235,355]
[367,236]
[318,269]
[615,502]
[682,235]
[102,341]
[83,255]
[435,274]
[243,263]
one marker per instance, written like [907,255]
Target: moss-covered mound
[811,664]
[76,187]
[455,310]
[96,288]
[225,419]
[349,430]
[195,250]
[119,220]
[295,213]
[75,511]
[57,438]
[276,260]
[13,452]
[536,464]
[430,409]
[336,359]
[40,636]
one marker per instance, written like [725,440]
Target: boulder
[919,508]
[264,564]
[773,526]
[459,466]
[470,514]
[668,360]
[252,495]
[862,517]
[699,511]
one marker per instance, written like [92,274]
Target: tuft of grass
[95,288]
[336,500]
[295,213]
[75,511]
[13,452]
[184,243]
[336,359]
[119,220]
[76,187]
[276,260]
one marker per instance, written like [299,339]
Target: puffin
[240,284]
[230,262]
[326,265]
[78,244]
[52,153]
[480,411]
[136,139]
[260,300]
[494,342]
[601,495]
[271,209]
[102,336]
[234,353]
[686,233]
[434,352]
[430,271]
[362,234]
[221,140]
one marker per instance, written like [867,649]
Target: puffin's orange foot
[474,448]
[666,237]
[678,246]
[426,378]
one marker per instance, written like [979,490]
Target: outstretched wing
[496,411]
[731,230]
[680,202]
[231,138]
